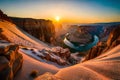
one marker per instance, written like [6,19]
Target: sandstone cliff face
[102,30]
[39,28]
[113,40]
[4,17]
[10,60]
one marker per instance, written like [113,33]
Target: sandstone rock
[5,69]
[54,57]
[79,36]
[113,40]
[114,35]
[10,60]
[57,54]
[47,76]
[4,48]
[115,43]
[63,53]
[3,38]
[39,28]
[94,52]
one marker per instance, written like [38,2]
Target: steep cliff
[39,28]
[113,40]
[102,30]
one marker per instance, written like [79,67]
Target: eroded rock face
[113,40]
[39,28]
[95,51]
[80,36]
[10,60]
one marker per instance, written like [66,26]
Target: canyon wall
[101,47]
[42,29]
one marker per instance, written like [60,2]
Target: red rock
[10,61]
[39,28]
[113,40]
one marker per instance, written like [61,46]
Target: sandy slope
[104,67]
[15,35]
[30,64]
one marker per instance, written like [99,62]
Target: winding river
[81,47]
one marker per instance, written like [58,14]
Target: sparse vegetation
[34,73]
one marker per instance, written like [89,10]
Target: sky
[69,11]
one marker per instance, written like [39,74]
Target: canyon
[19,51]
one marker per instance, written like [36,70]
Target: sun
[57,18]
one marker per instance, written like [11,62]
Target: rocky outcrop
[10,60]
[42,29]
[113,40]
[57,55]
[95,51]
[47,76]
[4,17]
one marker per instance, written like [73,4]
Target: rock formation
[39,28]
[102,30]
[4,17]
[46,76]
[56,54]
[10,60]
[80,36]
[113,40]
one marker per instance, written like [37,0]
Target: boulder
[4,48]
[10,60]
[5,69]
